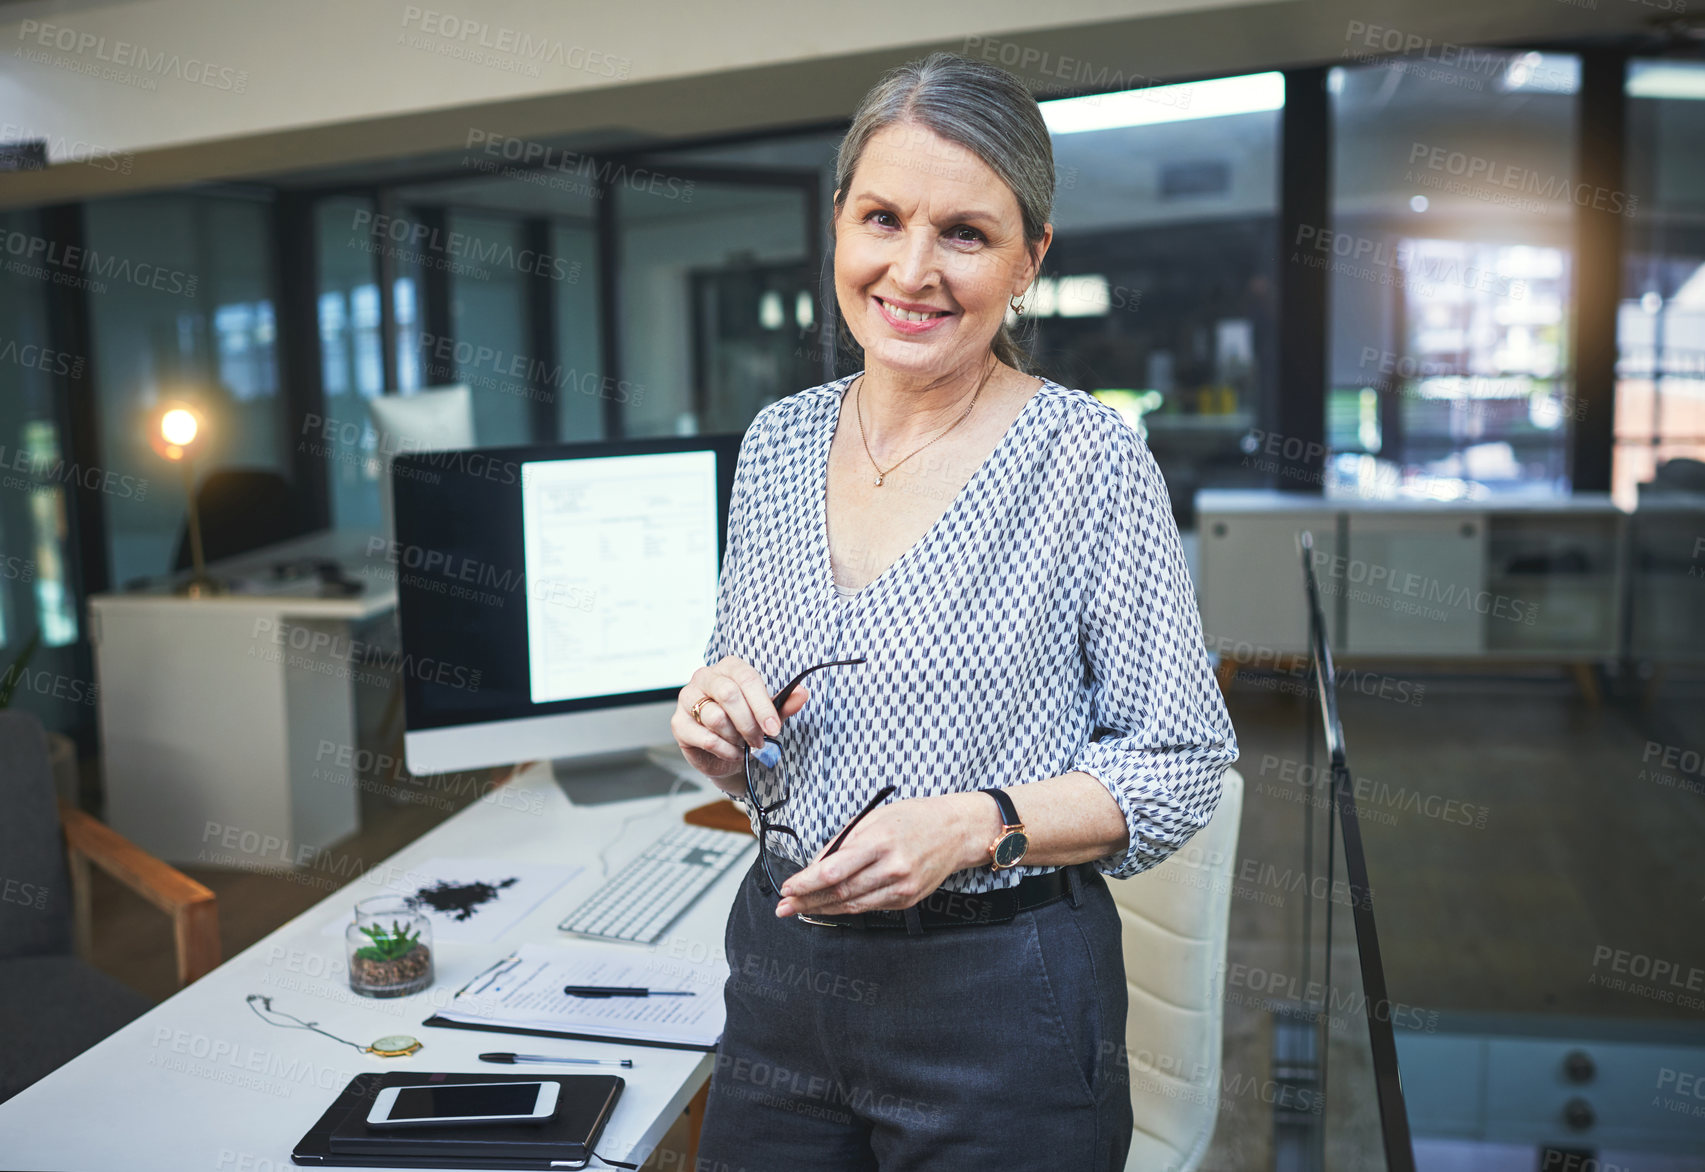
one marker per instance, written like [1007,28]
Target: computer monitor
[553,601]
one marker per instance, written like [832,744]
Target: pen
[622,991]
[506,1057]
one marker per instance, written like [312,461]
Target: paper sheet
[525,989]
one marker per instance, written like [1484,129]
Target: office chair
[242,509]
[1175,920]
[53,1006]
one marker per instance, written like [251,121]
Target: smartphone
[463,1104]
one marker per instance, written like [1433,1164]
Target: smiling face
[929,248]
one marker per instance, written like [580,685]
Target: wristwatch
[1007,850]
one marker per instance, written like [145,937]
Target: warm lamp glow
[178,426]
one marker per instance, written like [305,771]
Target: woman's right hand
[735,718]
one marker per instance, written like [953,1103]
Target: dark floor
[1513,833]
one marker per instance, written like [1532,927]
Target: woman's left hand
[895,857]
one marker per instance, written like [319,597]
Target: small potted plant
[390,948]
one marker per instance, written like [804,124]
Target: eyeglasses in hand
[764,775]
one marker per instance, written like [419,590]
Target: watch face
[1011,848]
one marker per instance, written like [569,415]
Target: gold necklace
[858,410]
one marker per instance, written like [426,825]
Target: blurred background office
[1426,278]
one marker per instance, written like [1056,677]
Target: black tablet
[342,1138]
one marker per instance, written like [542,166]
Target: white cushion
[1175,922]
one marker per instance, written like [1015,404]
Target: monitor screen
[544,580]
[620,571]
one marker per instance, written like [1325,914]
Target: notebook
[522,993]
[342,1137]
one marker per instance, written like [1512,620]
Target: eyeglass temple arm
[882,795]
[781,696]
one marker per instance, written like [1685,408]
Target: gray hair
[984,109]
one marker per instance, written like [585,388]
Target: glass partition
[1158,291]
[185,307]
[1450,274]
[717,292]
[39,477]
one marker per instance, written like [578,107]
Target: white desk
[201,1083]
[219,710]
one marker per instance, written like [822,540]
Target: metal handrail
[1388,1082]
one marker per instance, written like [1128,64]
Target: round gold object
[695,709]
[395,1046]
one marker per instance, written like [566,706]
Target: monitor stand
[613,777]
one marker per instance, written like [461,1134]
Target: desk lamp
[173,432]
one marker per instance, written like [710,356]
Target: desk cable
[603,860]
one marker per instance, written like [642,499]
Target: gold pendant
[879,482]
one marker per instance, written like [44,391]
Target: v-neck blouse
[1044,624]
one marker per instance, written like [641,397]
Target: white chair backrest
[1175,923]
[438,419]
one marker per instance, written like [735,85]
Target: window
[36,472]
[181,305]
[1450,275]
[352,361]
[1157,293]
[1660,385]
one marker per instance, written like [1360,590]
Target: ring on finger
[703,700]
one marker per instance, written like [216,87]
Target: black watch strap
[1009,812]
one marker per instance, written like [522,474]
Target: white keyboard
[640,901]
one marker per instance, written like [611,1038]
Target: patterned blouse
[1046,623]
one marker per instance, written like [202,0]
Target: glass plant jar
[389,947]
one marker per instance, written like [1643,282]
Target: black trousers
[994,1046]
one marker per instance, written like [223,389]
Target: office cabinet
[1251,581]
[1491,580]
[1412,585]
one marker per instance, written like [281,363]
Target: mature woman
[987,562]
